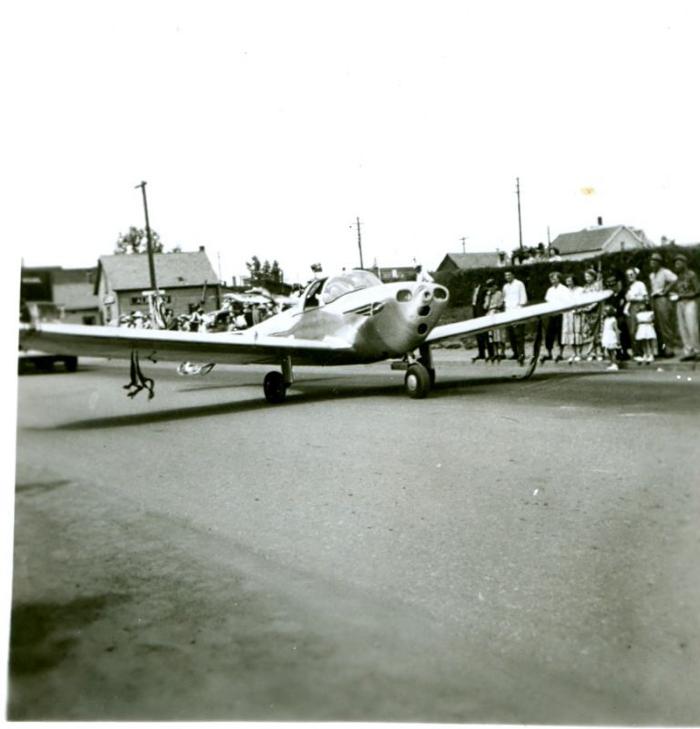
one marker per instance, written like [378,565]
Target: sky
[266,128]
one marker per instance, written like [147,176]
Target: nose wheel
[417,381]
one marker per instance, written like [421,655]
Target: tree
[135,241]
[264,274]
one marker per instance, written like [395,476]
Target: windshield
[345,283]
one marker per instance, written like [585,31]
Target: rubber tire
[44,365]
[274,388]
[417,381]
[71,364]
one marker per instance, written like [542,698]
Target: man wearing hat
[685,292]
[660,282]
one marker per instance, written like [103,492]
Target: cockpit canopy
[347,282]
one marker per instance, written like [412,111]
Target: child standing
[645,334]
[610,338]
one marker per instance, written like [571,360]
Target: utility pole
[151,265]
[520,224]
[359,242]
[464,243]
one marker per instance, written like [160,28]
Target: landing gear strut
[276,383]
[426,359]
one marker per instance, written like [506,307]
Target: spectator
[557,293]
[478,309]
[515,297]
[197,319]
[661,281]
[610,338]
[553,254]
[572,323]
[685,293]
[635,296]
[646,335]
[423,276]
[592,317]
[618,301]
[493,303]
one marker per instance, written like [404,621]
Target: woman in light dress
[574,326]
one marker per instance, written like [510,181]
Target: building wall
[623,240]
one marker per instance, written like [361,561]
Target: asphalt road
[500,552]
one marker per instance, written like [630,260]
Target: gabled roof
[592,239]
[489,259]
[173,270]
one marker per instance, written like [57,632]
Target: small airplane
[350,318]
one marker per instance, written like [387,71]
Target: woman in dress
[493,303]
[592,317]
[572,323]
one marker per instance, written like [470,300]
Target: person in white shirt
[514,297]
[423,276]
[557,293]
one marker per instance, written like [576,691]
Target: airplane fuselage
[379,322]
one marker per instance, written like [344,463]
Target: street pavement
[501,551]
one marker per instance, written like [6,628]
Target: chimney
[600,220]
[201,248]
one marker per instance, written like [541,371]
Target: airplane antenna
[520,224]
[359,242]
[151,265]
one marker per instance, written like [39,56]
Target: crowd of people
[643,319]
[233,316]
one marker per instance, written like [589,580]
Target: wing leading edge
[120,343]
[514,316]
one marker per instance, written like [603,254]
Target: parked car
[43,311]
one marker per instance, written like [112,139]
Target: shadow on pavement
[306,392]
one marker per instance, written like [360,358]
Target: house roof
[489,259]
[173,270]
[592,239]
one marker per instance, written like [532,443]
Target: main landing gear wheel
[275,388]
[417,381]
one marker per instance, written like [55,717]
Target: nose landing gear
[420,373]
[417,381]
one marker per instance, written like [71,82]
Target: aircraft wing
[246,347]
[514,316]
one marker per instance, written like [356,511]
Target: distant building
[592,242]
[466,261]
[74,291]
[188,280]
